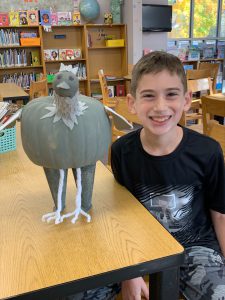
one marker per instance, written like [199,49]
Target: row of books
[9,37]
[200,51]
[21,79]
[62,54]
[35,17]
[13,58]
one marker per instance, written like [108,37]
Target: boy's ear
[187,99]
[131,104]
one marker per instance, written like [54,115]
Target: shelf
[65,61]
[21,67]
[104,47]
[11,47]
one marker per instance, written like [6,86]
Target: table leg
[165,285]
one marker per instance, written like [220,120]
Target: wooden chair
[38,88]
[212,105]
[214,69]
[217,132]
[199,85]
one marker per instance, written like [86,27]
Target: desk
[11,91]
[41,261]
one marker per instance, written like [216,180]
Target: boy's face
[159,102]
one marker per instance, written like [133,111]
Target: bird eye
[59,77]
[71,78]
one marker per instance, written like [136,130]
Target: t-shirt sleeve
[215,184]
[116,162]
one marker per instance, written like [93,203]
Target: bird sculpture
[67,130]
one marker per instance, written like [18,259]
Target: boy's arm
[218,220]
[134,289]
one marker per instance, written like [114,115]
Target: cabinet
[113,60]
[90,39]
[63,39]
[20,63]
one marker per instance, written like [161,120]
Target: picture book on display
[70,54]
[76,18]
[62,54]
[35,57]
[54,18]
[32,17]
[54,54]
[64,18]
[45,17]
[47,54]
[14,18]
[4,19]
[23,17]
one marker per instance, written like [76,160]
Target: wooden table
[13,92]
[41,261]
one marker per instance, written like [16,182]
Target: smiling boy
[176,173]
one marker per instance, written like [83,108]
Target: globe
[89,9]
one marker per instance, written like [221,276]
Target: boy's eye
[172,94]
[148,95]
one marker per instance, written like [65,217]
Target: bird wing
[120,122]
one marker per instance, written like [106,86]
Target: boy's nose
[160,104]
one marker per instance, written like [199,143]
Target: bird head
[66,84]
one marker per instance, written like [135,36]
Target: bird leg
[78,209]
[56,215]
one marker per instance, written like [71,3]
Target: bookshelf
[22,61]
[113,60]
[63,39]
[95,55]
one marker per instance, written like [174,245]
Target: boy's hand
[133,289]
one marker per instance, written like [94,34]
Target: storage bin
[50,78]
[115,43]
[30,41]
[8,139]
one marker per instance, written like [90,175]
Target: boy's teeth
[160,119]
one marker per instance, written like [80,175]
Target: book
[4,19]
[54,54]
[76,18]
[45,17]
[54,18]
[62,54]
[14,18]
[194,54]
[111,91]
[64,18]
[23,17]
[120,90]
[32,17]
[69,54]
[47,54]
[35,57]
[77,53]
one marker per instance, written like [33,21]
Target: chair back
[214,69]
[212,105]
[200,85]
[106,100]
[38,89]
[122,109]
[217,132]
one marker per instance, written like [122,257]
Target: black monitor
[156,18]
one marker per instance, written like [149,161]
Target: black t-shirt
[180,188]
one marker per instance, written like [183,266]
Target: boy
[176,173]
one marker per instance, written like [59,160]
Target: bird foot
[76,214]
[52,216]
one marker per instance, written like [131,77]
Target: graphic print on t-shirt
[170,205]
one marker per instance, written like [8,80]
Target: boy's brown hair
[155,62]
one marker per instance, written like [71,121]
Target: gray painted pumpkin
[54,145]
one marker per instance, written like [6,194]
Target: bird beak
[63,85]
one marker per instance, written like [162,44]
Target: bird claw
[76,214]
[52,216]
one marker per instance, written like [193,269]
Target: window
[205,19]
[180,19]
[222,23]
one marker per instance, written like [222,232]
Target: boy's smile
[160,102]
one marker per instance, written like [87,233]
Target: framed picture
[111,91]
